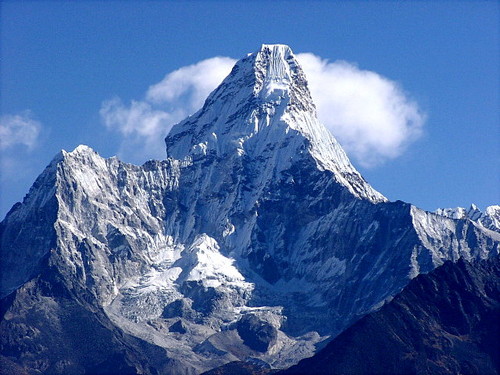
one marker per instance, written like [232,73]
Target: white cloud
[142,128]
[370,115]
[20,129]
[144,124]
[20,139]
[192,83]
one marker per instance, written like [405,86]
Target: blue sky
[62,61]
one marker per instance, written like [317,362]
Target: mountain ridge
[442,322]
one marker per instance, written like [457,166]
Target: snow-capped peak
[490,218]
[452,213]
[264,110]
[277,71]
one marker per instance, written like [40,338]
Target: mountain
[445,322]
[255,239]
[490,218]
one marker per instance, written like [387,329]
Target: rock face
[445,322]
[256,334]
[257,212]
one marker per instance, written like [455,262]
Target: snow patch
[202,261]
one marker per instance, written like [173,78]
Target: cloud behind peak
[371,115]
[19,129]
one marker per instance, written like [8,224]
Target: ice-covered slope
[256,225]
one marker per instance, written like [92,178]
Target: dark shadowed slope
[444,322]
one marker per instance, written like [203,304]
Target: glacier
[256,224]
